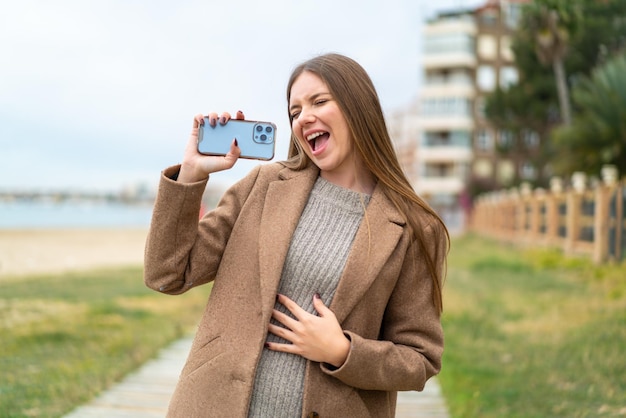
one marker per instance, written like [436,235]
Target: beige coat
[383,300]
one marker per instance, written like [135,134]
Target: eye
[294,115]
[321,101]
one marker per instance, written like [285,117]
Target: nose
[306,116]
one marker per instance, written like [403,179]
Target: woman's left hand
[317,338]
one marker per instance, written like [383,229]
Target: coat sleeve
[409,349]
[182,252]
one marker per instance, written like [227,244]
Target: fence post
[552,210]
[603,221]
[525,208]
[537,201]
[619,219]
[601,224]
[516,214]
[574,198]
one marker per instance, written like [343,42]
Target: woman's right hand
[196,166]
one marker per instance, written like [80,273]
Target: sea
[34,214]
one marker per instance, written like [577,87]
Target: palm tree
[598,134]
[546,20]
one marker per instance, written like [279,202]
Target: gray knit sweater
[317,255]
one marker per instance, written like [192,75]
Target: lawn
[530,333]
[64,338]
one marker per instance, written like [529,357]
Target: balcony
[449,60]
[446,122]
[444,154]
[449,44]
[448,89]
[439,185]
[464,24]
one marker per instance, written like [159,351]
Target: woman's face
[321,129]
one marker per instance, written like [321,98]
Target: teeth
[314,135]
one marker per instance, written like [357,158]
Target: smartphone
[256,139]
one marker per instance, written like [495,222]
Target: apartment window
[506,172]
[480,106]
[483,168]
[506,51]
[505,139]
[508,77]
[530,138]
[486,78]
[435,78]
[440,106]
[456,77]
[512,14]
[484,140]
[438,170]
[461,139]
[437,139]
[487,47]
[460,76]
[489,18]
[448,42]
[527,171]
[447,138]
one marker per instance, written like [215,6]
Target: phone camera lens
[263,137]
[259,128]
[268,129]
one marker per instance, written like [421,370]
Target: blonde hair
[354,92]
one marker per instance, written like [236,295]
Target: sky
[100,96]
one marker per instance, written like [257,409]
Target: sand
[25,252]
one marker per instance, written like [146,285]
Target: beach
[28,251]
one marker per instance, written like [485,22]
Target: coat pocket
[203,356]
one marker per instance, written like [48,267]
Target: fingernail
[237,144]
[222,120]
[267,345]
[317,296]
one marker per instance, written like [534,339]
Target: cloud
[93,94]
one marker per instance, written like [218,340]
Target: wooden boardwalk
[145,393]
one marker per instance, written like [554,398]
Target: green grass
[64,338]
[530,333]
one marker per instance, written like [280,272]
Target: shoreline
[25,251]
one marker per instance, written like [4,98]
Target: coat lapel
[374,242]
[284,203]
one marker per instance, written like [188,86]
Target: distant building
[404,129]
[495,162]
[444,140]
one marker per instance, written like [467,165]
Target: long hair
[354,92]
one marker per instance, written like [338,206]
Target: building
[446,120]
[403,127]
[495,162]
[444,141]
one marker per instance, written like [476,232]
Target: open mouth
[317,140]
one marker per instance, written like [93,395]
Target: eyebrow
[310,98]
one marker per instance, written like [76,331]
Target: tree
[598,134]
[596,31]
[549,24]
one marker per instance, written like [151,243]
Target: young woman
[327,268]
